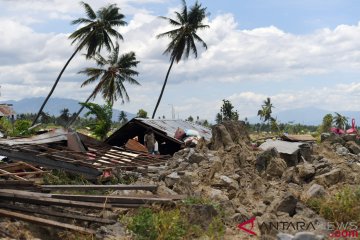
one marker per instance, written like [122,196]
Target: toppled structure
[75,153]
[164,131]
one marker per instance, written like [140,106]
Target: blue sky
[299,53]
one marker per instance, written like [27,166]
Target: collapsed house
[75,153]
[164,131]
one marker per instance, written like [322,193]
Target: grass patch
[344,206]
[60,177]
[172,224]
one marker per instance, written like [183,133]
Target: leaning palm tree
[93,36]
[183,37]
[112,74]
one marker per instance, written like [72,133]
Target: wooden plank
[17,182]
[151,188]
[46,222]
[13,176]
[48,212]
[113,199]
[23,173]
[42,199]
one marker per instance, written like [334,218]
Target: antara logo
[248,230]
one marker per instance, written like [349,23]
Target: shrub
[344,206]
[173,224]
[22,127]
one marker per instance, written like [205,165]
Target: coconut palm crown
[184,37]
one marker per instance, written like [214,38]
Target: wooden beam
[113,199]
[23,173]
[46,222]
[43,199]
[151,188]
[17,183]
[49,212]
[13,176]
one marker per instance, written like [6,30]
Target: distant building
[7,111]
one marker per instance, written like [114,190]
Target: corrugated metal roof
[170,126]
[282,146]
[56,135]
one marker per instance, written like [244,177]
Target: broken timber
[45,199]
[48,212]
[51,150]
[42,221]
[151,188]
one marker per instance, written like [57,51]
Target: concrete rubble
[268,185]
[261,183]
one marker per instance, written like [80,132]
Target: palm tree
[183,37]
[340,121]
[123,117]
[112,74]
[266,111]
[96,34]
[103,116]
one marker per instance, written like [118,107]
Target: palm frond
[89,11]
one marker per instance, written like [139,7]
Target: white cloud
[30,62]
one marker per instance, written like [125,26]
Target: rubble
[270,184]
[264,184]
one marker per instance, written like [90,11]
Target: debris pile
[75,212]
[271,185]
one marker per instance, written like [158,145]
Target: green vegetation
[161,224]
[265,114]
[123,118]
[111,73]
[340,121]
[227,113]
[142,114]
[60,177]
[182,39]
[96,32]
[326,124]
[103,114]
[344,206]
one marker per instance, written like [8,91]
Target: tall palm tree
[112,74]
[183,37]
[340,121]
[93,36]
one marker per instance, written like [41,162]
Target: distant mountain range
[54,106]
[308,116]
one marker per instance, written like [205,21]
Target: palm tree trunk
[72,120]
[53,87]
[163,88]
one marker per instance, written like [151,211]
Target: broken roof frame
[164,129]
[50,151]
